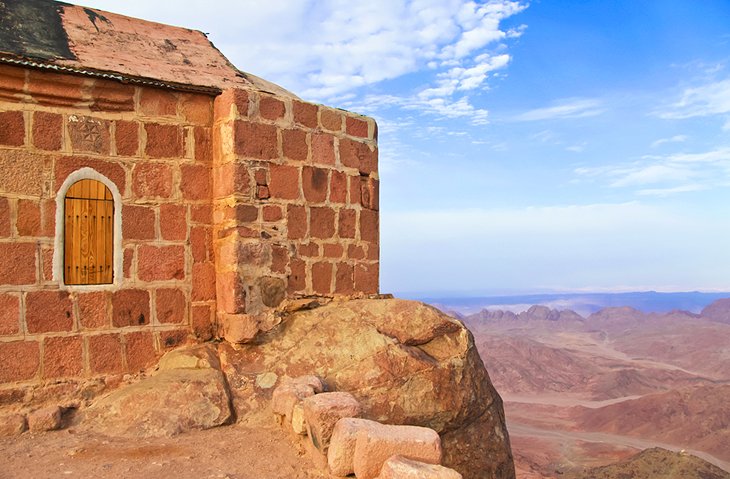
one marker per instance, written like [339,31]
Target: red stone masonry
[231,205]
[303,205]
[154,145]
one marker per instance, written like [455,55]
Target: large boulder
[189,391]
[404,361]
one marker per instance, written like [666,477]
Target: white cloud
[567,108]
[709,99]
[323,50]
[671,191]
[673,139]
[665,175]
[577,148]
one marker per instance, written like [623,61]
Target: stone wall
[296,206]
[230,206]
[154,145]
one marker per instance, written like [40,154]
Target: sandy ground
[230,452]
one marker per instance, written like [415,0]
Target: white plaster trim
[58,243]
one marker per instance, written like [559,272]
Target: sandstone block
[288,395]
[12,425]
[131,307]
[105,354]
[48,311]
[200,356]
[399,467]
[163,141]
[376,445]
[127,138]
[284,183]
[305,114]
[321,413]
[314,184]
[323,149]
[313,381]
[138,222]
[19,262]
[9,314]
[46,419]
[166,404]
[152,180]
[322,278]
[161,262]
[47,131]
[342,444]
[298,424]
[238,328]
[322,222]
[356,127]
[140,349]
[195,182]
[296,217]
[13,132]
[255,140]
[330,119]
[20,360]
[271,108]
[89,134]
[62,357]
[294,144]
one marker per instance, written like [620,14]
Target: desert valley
[583,392]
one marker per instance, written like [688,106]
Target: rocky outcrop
[189,391]
[405,362]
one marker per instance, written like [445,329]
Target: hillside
[699,418]
[582,392]
[656,463]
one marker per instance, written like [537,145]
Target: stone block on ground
[200,356]
[321,413]
[375,446]
[12,425]
[399,467]
[45,419]
[342,444]
[298,424]
[288,395]
[169,403]
[312,381]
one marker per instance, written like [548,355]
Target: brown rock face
[189,392]
[406,363]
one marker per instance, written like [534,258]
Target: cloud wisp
[665,175]
[564,109]
[709,99]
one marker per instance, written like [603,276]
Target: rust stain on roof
[83,38]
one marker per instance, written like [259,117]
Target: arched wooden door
[88,233]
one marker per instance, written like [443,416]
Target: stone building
[152,194]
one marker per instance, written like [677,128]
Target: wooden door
[88,233]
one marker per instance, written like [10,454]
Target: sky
[525,146]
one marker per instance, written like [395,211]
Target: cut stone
[399,467]
[321,413]
[342,444]
[375,446]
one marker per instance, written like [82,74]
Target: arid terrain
[586,392]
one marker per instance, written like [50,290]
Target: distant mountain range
[587,390]
[582,303]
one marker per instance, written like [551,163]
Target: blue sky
[524,146]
